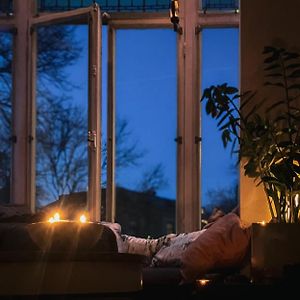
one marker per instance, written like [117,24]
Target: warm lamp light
[203,282]
[297,200]
[82,219]
[263,223]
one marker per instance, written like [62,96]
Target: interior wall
[262,23]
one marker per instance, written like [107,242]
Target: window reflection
[61,124]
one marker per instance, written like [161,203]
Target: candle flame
[56,217]
[82,219]
[51,220]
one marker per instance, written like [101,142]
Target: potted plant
[265,133]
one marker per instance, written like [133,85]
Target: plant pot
[275,251]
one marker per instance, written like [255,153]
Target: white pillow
[171,255]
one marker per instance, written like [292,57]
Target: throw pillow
[223,245]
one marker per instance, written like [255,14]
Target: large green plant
[266,132]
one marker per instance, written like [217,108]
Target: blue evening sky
[146,97]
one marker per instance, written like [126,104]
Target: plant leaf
[294,74]
[274,66]
[294,86]
[274,106]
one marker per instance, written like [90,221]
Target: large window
[6,135]
[50,124]
[219,180]
[146,113]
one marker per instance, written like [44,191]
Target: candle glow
[203,282]
[82,219]
[55,218]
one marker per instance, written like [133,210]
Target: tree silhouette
[5,113]
[62,160]
[153,180]
[225,199]
[61,132]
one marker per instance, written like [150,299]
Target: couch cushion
[223,245]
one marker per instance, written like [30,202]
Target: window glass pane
[104,122]
[106,5]
[219,173]
[62,107]
[146,116]
[6,54]
[219,4]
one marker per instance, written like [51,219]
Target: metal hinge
[30,138]
[198,139]
[178,139]
[92,139]
[198,29]
[94,70]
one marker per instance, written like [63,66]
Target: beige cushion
[170,255]
[222,245]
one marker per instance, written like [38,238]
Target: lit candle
[51,220]
[82,219]
[56,217]
[203,282]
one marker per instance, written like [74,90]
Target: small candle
[82,219]
[56,217]
[203,282]
[51,220]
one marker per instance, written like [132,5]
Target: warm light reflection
[203,282]
[263,223]
[297,200]
[82,219]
